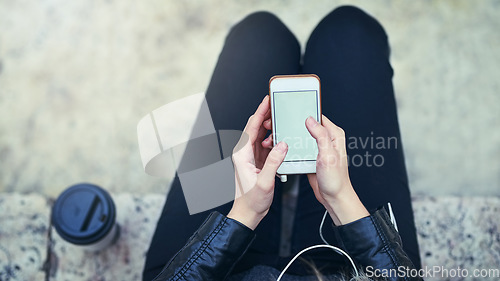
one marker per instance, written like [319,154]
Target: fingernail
[281,146]
[312,122]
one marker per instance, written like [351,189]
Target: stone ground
[77,76]
[452,232]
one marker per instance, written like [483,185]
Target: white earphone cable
[321,228]
[338,250]
[327,245]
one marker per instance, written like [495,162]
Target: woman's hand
[255,165]
[331,184]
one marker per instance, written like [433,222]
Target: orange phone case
[291,76]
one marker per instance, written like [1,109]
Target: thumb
[273,162]
[319,133]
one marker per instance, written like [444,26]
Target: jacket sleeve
[376,246]
[212,251]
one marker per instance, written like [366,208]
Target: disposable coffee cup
[85,215]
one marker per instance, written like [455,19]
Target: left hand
[255,165]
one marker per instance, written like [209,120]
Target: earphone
[327,245]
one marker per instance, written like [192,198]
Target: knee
[263,27]
[349,14]
[262,17]
[349,11]
[355,21]
[261,20]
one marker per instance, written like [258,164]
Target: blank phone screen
[291,110]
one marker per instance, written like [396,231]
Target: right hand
[331,184]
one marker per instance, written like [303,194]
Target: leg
[349,51]
[257,48]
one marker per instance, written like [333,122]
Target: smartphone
[293,98]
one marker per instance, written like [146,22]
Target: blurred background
[76,77]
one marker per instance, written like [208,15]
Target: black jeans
[349,51]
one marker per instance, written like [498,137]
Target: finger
[268,142]
[255,121]
[268,124]
[319,133]
[273,162]
[268,113]
[262,130]
[261,134]
[337,134]
[261,154]
[334,130]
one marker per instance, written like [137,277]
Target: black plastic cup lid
[83,214]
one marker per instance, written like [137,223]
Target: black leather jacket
[213,250]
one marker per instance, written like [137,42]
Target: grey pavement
[453,232]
